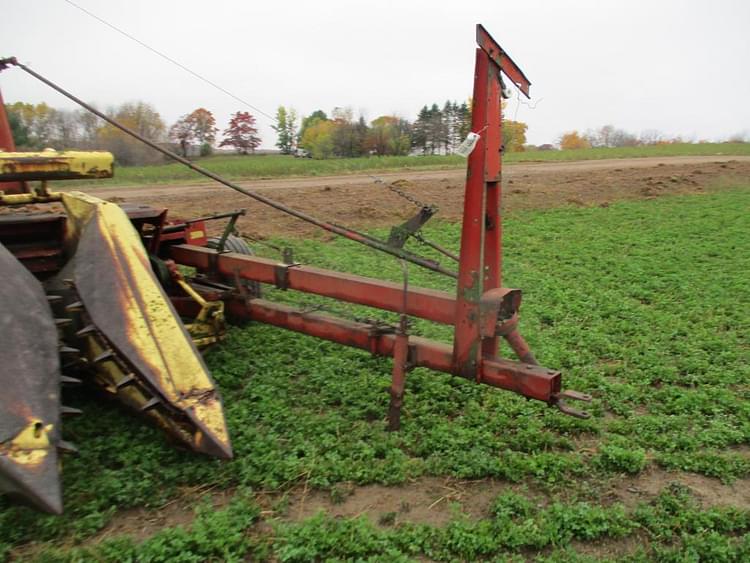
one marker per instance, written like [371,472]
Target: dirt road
[356,200]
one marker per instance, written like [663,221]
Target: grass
[274,166]
[642,304]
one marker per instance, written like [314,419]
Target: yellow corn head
[102,310]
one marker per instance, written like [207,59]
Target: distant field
[272,166]
[683,149]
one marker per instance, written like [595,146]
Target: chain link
[401,193]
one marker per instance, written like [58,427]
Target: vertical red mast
[480,267]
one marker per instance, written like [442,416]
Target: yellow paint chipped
[56,165]
[153,328]
[31,445]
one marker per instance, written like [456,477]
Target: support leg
[398,381]
[522,350]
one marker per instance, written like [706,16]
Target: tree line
[609,136]
[435,130]
[38,126]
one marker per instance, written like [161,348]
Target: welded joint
[375,332]
[498,311]
[241,289]
[281,275]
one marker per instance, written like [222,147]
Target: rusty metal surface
[398,377]
[30,382]
[128,307]
[430,304]
[501,59]
[535,382]
[35,239]
[467,339]
[401,233]
[56,165]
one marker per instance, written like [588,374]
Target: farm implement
[94,293]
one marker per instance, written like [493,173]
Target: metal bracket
[281,275]
[559,400]
[400,234]
[498,308]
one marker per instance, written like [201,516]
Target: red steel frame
[481,311]
[8,145]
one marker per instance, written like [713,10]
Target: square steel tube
[532,381]
[430,304]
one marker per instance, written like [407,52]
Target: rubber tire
[240,246]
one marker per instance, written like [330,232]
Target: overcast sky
[682,67]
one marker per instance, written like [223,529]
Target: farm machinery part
[95,288]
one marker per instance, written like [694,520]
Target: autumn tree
[318,138]
[198,127]
[309,121]
[142,118]
[242,134]
[286,129]
[182,133]
[88,127]
[348,135]
[204,129]
[514,135]
[573,140]
[389,135]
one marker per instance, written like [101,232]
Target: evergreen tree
[419,130]
[463,121]
[436,130]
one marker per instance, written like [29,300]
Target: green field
[273,166]
[642,304]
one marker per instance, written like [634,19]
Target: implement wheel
[240,246]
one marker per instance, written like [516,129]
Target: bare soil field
[358,201]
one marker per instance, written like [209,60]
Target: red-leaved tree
[198,126]
[241,133]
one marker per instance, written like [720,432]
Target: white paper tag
[467,145]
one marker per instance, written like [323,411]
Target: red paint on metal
[468,292]
[493,189]
[501,59]
[519,346]
[535,382]
[398,377]
[427,304]
[7,144]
